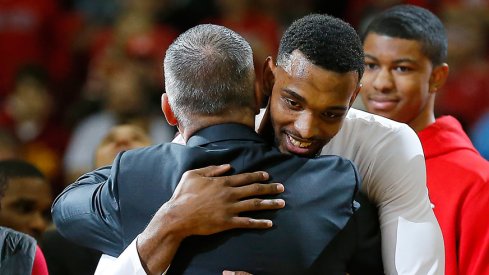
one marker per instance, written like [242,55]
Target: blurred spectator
[359,12]
[64,257]
[9,145]
[260,29]
[19,253]
[26,32]
[120,138]
[480,135]
[26,205]
[466,93]
[126,101]
[28,113]
[100,13]
[136,35]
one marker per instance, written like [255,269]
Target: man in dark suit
[209,80]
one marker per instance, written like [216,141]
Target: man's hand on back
[204,203]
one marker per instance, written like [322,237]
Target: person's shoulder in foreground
[19,254]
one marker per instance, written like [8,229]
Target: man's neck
[197,123]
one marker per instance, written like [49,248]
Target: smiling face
[399,80]
[308,104]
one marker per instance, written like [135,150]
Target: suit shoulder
[158,150]
[332,159]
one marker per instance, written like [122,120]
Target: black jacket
[108,208]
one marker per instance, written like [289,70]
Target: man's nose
[306,126]
[38,223]
[383,80]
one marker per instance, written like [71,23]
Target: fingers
[258,204]
[211,171]
[244,179]
[258,189]
[227,272]
[249,223]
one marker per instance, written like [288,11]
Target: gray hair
[208,71]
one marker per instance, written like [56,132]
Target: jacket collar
[223,132]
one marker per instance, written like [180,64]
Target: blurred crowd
[72,69]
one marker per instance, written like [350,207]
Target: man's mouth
[382,103]
[306,148]
[298,143]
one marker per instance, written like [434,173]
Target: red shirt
[458,185]
[39,267]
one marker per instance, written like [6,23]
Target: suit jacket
[106,209]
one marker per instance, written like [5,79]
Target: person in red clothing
[405,52]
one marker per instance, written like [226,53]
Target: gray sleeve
[412,242]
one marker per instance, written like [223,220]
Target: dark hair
[413,23]
[15,168]
[326,41]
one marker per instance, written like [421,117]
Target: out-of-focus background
[72,69]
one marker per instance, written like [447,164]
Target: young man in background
[405,52]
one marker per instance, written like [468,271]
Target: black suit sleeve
[87,211]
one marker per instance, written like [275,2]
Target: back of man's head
[326,41]
[413,23]
[209,71]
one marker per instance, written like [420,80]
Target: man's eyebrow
[370,56]
[294,95]
[403,60]
[302,99]
[400,60]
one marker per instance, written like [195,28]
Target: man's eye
[291,102]
[332,115]
[24,207]
[402,69]
[370,66]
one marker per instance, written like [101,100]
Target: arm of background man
[86,212]
[412,242]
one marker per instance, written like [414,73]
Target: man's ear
[165,107]
[438,77]
[268,79]
[355,94]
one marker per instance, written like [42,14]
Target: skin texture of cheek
[10,218]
